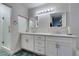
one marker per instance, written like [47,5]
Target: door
[51,50]
[31,43]
[65,50]
[0,31]
[27,42]
[24,42]
[22,24]
[5,14]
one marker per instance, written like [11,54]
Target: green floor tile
[20,53]
[24,53]
[4,53]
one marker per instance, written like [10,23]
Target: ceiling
[27,5]
[32,5]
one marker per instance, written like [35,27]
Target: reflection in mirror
[58,20]
[33,24]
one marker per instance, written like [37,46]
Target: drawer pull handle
[39,50]
[39,37]
[26,40]
[39,43]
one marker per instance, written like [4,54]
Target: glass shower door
[6,33]
[5,17]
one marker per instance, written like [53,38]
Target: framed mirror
[58,19]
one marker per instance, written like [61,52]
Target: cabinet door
[24,42]
[27,42]
[64,50]
[51,50]
[30,43]
[39,50]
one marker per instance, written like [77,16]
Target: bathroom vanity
[42,38]
[49,44]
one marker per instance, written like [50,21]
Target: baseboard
[15,51]
[6,49]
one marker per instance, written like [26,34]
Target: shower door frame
[9,33]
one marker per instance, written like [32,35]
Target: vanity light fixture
[45,11]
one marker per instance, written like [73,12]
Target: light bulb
[48,10]
[51,9]
[44,11]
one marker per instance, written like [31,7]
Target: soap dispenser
[68,31]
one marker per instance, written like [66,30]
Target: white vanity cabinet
[50,45]
[39,44]
[27,42]
[59,46]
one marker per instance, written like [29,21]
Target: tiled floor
[20,53]
[25,53]
[4,53]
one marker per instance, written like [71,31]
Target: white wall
[17,9]
[46,27]
[74,20]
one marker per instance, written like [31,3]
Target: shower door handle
[2,42]
[8,28]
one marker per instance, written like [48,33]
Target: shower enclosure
[5,35]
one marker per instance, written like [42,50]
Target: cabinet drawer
[41,44]
[39,41]
[50,42]
[39,50]
[27,36]
[39,38]
[59,39]
[65,44]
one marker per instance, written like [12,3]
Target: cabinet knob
[26,40]
[3,42]
[39,37]
[57,45]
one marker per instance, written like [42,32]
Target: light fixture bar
[45,11]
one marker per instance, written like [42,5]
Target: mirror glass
[58,20]
[33,24]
